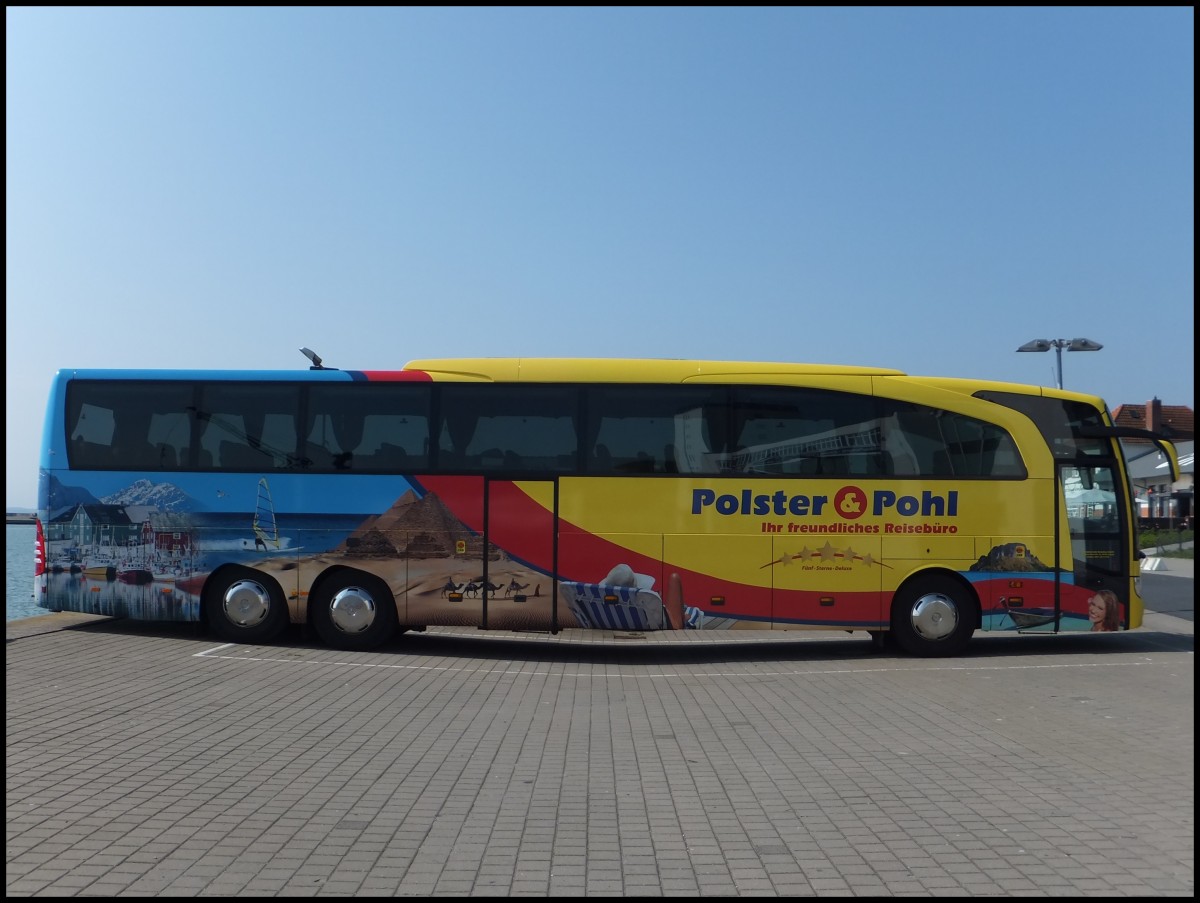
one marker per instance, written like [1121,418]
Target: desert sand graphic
[434,565]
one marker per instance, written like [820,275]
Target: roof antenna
[314,357]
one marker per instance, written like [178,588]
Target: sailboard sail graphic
[266,530]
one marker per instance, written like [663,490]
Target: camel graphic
[473,588]
[478,584]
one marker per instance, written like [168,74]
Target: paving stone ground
[151,759]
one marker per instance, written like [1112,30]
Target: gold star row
[826,553]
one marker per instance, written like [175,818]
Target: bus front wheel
[934,616]
[244,607]
[353,611]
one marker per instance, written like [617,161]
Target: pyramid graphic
[413,528]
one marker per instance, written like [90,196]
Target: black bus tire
[353,610]
[934,616]
[244,606]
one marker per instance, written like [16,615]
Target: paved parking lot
[143,759]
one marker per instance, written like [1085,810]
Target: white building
[1157,496]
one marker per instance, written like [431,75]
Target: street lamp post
[1058,345]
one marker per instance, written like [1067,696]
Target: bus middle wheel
[353,611]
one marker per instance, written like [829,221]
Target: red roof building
[1174,422]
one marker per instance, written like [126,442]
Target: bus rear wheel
[353,611]
[242,606]
[934,616]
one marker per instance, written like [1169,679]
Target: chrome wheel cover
[934,616]
[352,610]
[246,603]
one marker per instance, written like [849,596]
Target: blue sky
[924,189]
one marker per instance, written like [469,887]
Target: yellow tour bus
[593,494]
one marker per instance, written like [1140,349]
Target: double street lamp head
[1058,345]
[1069,344]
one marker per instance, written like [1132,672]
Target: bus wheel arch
[242,605]
[934,613]
[352,609]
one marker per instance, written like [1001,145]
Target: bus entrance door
[516,590]
[1097,520]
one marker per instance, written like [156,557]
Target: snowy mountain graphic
[165,497]
[160,496]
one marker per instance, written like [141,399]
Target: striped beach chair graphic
[605,607]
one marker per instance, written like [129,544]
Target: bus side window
[602,461]
[167,459]
[837,465]
[87,455]
[170,433]
[870,465]
[917,434]
[130,448]
[643,462]
[389,457]
[669,465]
[807,466]
[236,456]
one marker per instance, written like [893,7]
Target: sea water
[18,572]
